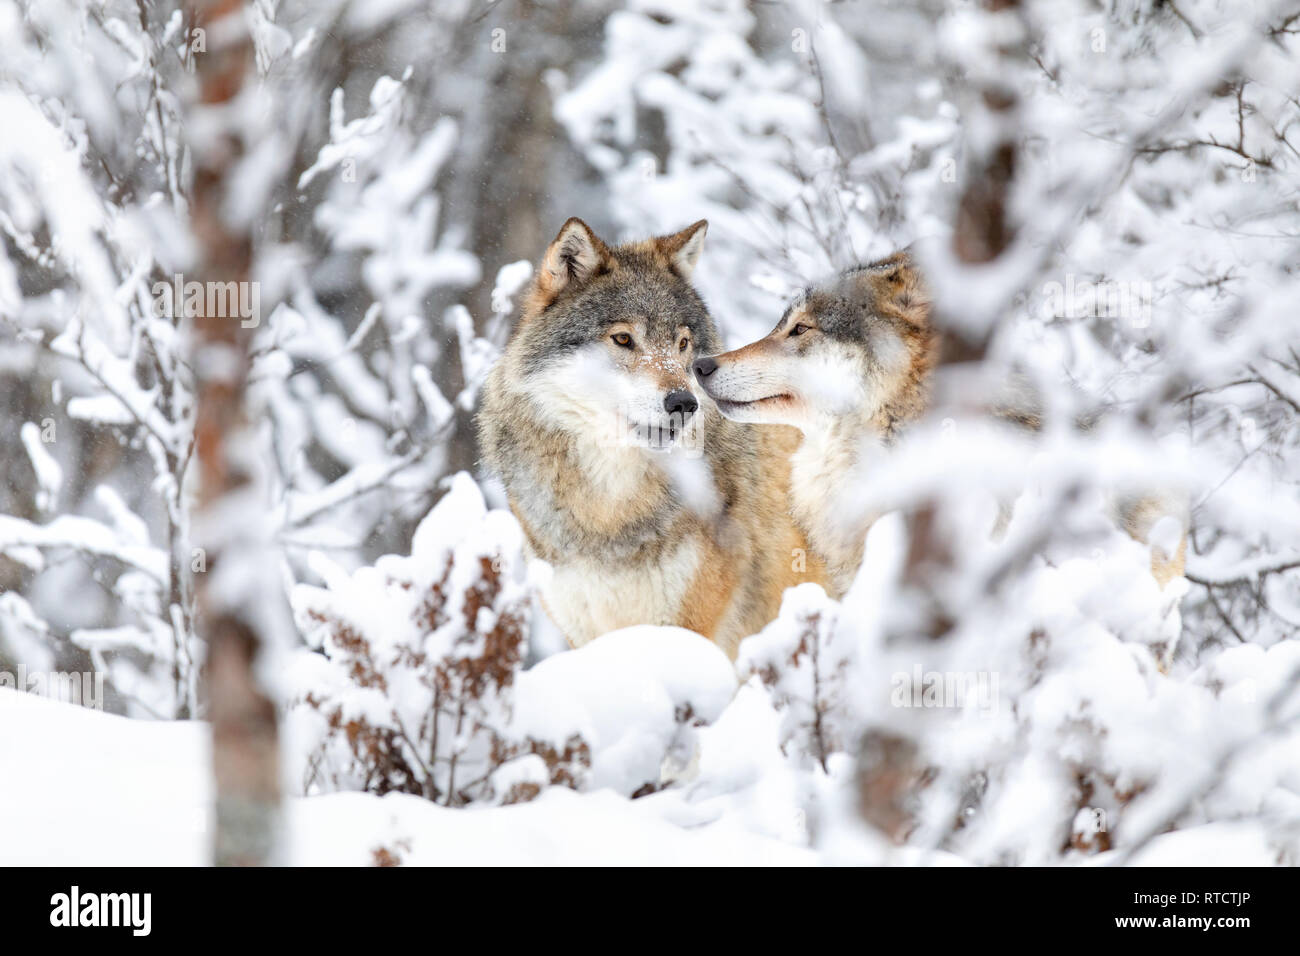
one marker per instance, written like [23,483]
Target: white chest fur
[829,474]
[587,599]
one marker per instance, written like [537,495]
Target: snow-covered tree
[1102,198]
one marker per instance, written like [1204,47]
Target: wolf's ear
[683,248]
[897,289]
[572,258]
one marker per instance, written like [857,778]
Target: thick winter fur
[650,507]
[849,365]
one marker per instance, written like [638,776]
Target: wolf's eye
[683,345]
[799,329]
[623,339]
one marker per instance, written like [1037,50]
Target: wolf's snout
[680,402]
[704,367]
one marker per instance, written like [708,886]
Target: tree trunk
[889,766]
[244,740]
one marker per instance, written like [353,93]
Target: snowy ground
[96,789]
[139,793]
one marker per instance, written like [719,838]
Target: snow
[558,829]
[79,534]
[49,476]
[1214,844]
[509,281]
[151,808]
[149,779]
[624,694]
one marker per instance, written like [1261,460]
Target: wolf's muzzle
[680,402]
[704,367]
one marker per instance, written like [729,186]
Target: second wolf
[649,508]
[849,365]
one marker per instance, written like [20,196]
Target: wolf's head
[857,345]
[607,335]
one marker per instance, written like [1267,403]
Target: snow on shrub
[415,680]
[636,696]
[803,665]
[1045,732]
[409,687]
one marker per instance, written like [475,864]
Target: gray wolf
[649,506]
[849,365]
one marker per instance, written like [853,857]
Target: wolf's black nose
[680,402]
[705,367]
